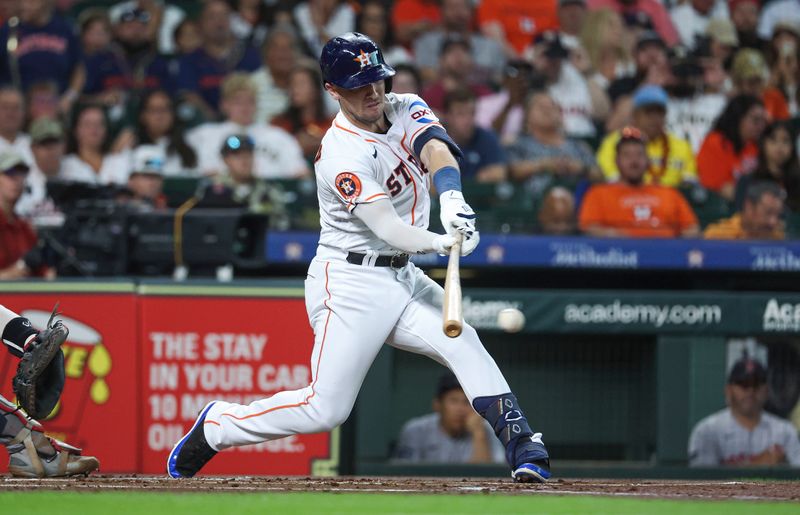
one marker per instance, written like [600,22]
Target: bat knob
[452,329]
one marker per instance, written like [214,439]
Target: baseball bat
[452,313]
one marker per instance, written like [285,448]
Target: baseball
[511,320]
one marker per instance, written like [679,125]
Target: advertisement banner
[98,409]
[610,311]
[200,348]
[583,253]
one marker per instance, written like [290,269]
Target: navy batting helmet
[353,60]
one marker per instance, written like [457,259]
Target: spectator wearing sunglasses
[632,208]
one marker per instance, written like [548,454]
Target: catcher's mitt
[40,374]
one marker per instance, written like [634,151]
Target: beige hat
[722,30]
[10,160]
[748,64]
[45,129]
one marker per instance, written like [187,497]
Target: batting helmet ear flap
[388,84]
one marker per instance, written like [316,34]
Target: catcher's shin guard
[525,451]
[34,455]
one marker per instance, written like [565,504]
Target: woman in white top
[159,126]
[88,158]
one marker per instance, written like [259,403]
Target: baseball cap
[237,143]
[553,47]
[129,13]
[649,37]
[723,31]
[11,162]
[650,95]
[787,25]
[452,40]
[747,371]
[749,63]
[448,381]
[46,129]
[733,4]
[149,160]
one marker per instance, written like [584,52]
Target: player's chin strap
[511,427]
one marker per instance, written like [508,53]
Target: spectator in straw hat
[750,75]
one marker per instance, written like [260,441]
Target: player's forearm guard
[509,423]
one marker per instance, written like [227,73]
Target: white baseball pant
[353,310]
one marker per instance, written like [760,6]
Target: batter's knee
[332,417]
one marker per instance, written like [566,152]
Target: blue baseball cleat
[537,472]
[192,451]
[533,465]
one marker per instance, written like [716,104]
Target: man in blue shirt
[484,158]
[202,71]
[41,46]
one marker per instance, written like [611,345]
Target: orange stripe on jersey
[375,196]
[370,140]
[212,422]
[316,373]
[346,130]
[403,144]
[414,205]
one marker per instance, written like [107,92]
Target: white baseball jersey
[355,308]
[355,167]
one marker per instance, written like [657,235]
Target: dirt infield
[751,490]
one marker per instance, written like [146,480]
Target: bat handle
[453,317]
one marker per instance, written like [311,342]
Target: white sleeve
[702,449]
[383,221]
[420,125]
[351,181]
[206,142]
[291,159]
[792,447]
[766,23]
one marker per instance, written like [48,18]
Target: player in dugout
[38,384]
[374,170]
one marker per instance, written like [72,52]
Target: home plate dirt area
[752,490]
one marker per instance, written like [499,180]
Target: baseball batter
[375,169]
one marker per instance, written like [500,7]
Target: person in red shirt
[514,23]
[631,208]
[17,237]
[412,18]
[730,150]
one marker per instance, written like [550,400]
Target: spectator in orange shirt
[759,219]
[631,208]
[750,75]
[730,150]
[412,18]
[514,23]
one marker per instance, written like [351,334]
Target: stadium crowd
[625,118]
